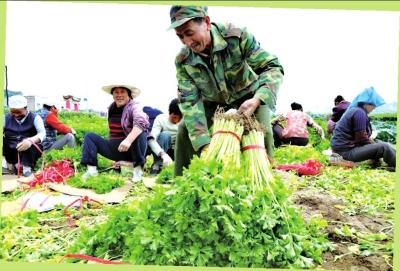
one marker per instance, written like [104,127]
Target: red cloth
[53,121]
[56,172]
[308,168]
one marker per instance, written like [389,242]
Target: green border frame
[2,61]
[348,5]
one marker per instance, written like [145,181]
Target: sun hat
[181,14]
[17,102]
[134,90]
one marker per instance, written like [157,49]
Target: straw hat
[134,90]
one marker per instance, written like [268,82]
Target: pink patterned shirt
[296,124]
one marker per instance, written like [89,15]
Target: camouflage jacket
[239,67]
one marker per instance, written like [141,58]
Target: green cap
[181,14]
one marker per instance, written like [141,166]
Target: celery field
[211,216]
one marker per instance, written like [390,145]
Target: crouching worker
[22,133]
[127,141]
[341,106]
[163,137]
[352,134]
[295,131]
[54,126]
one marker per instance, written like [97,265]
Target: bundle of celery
[258,169]
[225,142]
[255,157]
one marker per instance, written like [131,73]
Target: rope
[28,199]
[18,166]
[56,172]
[25,203]
[81,200]
[19,160]
[253,147]
[227,132]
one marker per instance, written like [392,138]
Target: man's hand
[167,160]
[73,131]
[249,106]
[124,145]
[24,145]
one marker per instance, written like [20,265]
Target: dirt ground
[314,202]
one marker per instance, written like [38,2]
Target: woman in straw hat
[127,141]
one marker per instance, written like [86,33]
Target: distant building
[34,102]
[71,103]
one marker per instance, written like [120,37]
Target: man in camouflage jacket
[220,65]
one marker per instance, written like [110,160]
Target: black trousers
[27,158]
[279,140]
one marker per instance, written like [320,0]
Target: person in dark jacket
[337,112]
[22,133]
[352,135]
[162,137]
[152,113]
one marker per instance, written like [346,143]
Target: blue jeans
[65,140]
[94,144]
[165,141]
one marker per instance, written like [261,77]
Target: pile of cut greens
[101,184]
[210,217]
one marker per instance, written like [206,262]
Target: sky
[59,48]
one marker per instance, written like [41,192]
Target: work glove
[124,145]
[24,145]
[167,160]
